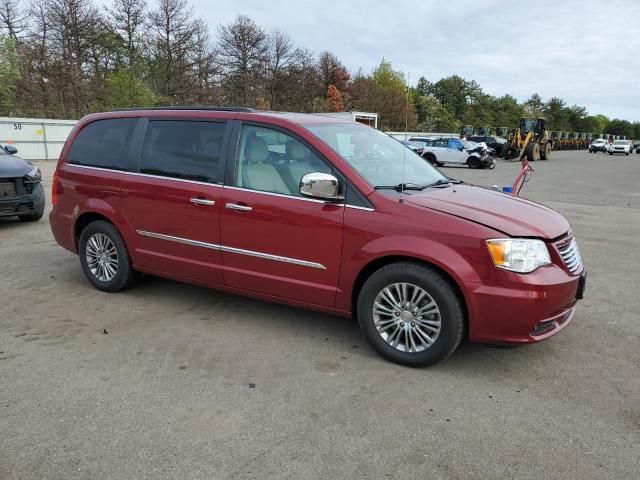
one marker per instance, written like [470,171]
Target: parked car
[443,151]
[314,212]
[620,146]
[415,146]
[21,192]
[598,145]
[480,150]
[496,143]
[636,146]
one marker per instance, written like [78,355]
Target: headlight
[520,255]
[34,175]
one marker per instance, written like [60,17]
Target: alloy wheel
[102,257]
[406,317]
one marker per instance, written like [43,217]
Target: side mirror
[461,148]
[320,185]
[10,149]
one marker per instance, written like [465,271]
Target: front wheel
[104,257]
[473,162]
[411,314]
[533,151]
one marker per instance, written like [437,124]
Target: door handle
[239,208]
[202,201]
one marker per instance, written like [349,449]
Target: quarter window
[105,144]
[272,161]
[189,150]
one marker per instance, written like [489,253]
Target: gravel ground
[169,380]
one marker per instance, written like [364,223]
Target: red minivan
[314,212]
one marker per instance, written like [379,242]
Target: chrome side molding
[238,251]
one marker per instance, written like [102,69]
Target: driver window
[272,161]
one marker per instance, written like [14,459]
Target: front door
[173,203]
[274,241]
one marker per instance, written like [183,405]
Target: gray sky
[585,52]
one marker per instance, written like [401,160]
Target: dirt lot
[175,381]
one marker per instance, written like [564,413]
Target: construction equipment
[485,131]
[466,131]
[530,139]
[504,132]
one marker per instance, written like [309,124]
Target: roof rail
[189,107]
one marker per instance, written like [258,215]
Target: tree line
[67,58]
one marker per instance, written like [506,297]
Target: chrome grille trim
[570,254]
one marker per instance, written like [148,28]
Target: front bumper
[526,309]
[19,205]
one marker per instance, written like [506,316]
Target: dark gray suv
[21,192]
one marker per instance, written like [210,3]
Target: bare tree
[127,18]
[13,18]
[332,72]
[280,55]
[204,65]
[243,53]
[173,38]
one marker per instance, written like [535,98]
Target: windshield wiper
[401,186]
[444,182]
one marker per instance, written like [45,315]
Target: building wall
[35,138]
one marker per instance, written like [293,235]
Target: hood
[511,215]
[12,166]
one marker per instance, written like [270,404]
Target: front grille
[570,254]
[7,189]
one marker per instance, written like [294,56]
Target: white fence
[35,138]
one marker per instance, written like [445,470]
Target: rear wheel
[545,151]
[533,151]
[411,314]
[431,158]
[104,257]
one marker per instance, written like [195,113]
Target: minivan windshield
[376,156]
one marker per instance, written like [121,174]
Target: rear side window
[105,144]
[189,150]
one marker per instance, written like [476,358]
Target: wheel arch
[376,264]
[85,219]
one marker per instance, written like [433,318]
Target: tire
[38,205]
[431,158]
[510,152]
[610,153]
[449,313]
[473,162]
[545,151]
[533,151]
[101,235]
